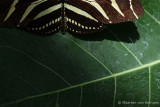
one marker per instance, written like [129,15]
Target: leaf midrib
[89,82]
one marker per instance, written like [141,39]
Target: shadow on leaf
[124,32]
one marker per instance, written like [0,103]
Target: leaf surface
[110,68]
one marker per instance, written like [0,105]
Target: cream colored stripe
[12,9]
[131,6]
[79,11]
[30,8]
[48,11]
[38,1]
[98,7]
[115,5]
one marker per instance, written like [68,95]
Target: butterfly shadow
[121,32]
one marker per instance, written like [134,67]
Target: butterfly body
[79,16]
[64,18]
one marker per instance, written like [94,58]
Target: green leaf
[111,68]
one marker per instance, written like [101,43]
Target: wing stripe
[30,8]
[48,11]
[131,6]
[98,7]
[47,24]
[115,5]
[12,9]
[79,11]
[38,1]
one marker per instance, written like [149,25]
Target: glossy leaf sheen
[97,70]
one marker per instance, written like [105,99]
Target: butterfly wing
[47,18]
[78,16]
[81,17]
[87,16]
[11,11]
[116,11]
[36,16]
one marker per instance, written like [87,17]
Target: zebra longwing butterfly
[78,16]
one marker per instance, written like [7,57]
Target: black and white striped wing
[78,16]
[81,18]
[36,16]
[87,16]
[11,11]
[47,18]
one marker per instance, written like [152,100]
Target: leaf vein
[88,53]
[149,98]
[115,91]
[89,82]
[38,63]
[126,47]
[155,19]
